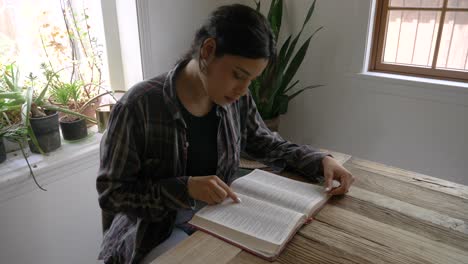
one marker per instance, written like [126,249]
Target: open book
[273,208]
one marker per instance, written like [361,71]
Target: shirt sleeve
[120,185]
[270,148]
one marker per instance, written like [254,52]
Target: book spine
[270,259]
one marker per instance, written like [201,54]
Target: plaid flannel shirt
[141,179]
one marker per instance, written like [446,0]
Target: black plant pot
[47,133]
[2,151]
[73,130]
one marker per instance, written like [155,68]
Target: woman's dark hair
[238,30]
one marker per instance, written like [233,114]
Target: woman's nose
[242,89]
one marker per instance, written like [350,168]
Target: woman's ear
[208,50]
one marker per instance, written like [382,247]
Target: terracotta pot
[90,110]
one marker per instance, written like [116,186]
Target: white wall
[167,28]
[408,124]
[61,225]
[417,126]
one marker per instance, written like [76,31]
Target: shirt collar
[170,94]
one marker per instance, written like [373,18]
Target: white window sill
[415,81]
[446,92]
[71,157]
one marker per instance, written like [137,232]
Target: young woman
[173,142]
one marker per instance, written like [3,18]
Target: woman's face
[228,77]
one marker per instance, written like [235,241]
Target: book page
[254,218]
[298,196]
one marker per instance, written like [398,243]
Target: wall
[404,122]
[60,225]
[167,29]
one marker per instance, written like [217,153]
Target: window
[58,33]
[427,38]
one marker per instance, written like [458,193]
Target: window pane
[458,3]
[453,51]
[416,3]
[411,37]
[19,27]
[34,32]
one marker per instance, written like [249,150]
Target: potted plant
[11,100]
[71,47]
[68,95]
[38,115]
[274,88]
[44,119]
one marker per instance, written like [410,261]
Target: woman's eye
[237,76]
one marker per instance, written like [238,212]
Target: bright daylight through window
[426,38]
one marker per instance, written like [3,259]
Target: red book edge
[270,259]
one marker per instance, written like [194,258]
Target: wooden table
[389,216]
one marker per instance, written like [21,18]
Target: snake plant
[274,88]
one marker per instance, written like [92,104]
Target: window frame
[378,39]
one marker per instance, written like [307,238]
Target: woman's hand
[332,170]
[210,189]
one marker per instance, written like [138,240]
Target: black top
[202,135]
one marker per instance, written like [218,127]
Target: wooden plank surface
[420,196]
[401,219]
[389,216]
[429,182]
[200,248]
[397,240]
[358,248]
[303,250]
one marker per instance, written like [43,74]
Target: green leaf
[5,108]
[257,5]
[51,76]
[276,17]
[11,77]
[26,109]
[11,95]
[283,101]
[41,96]
[269,92]
[275,91]
[9,83]
[295,63]
[61,95]
[68,112]
[283,50]
[290,50]
[271,10]
[293,45]
[302,90]
[309,13]
[33,138]
[290,87]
